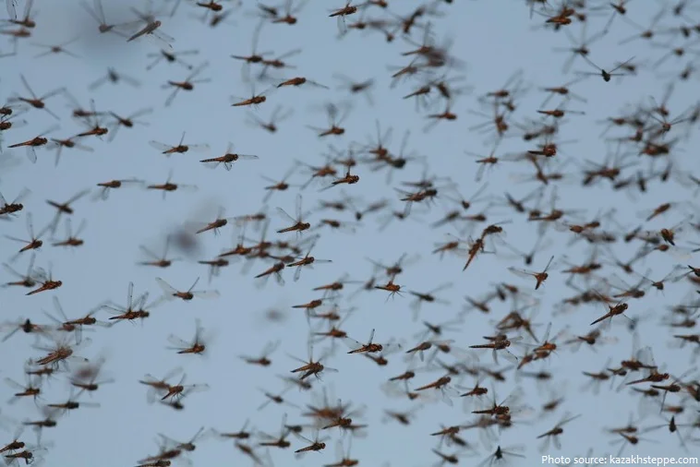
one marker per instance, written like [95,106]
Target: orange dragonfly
[159,386]
[133,309]
[32,144]
[370,346]
[105,188]
[34,242]
[32,389]
[298,225]
[8,209]
[540,277]
[219,222]
[617,309]
[178,391]
[60,352]
[499,345]
[169,186]
[317,445]
[46,280]
[307,261]
[312,367]
[197,346]
[254,100]
[299,82]
[228,159]
[342,13]
[278,185]
[76,325]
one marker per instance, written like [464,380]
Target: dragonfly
[179,148]
[187,85]
[34,242]
[15,205]
[228,159]
[150,29]
[169,186]
[297,224]
[369,347]
[37,141]
[170,293]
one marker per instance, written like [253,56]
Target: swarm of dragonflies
[492,291]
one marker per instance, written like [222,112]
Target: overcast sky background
[493,39]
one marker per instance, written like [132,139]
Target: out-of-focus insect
[170,57]
[179,148]
[553,434]
[107,187]
[187,85]
[334,120]
[37,102]
[501,455]
[161,261]
[169,186]
[607,75]
[65,208]
[356,87]
[262,359]
[171,293]
[97,13]
[27,280]
[32,388]
[56,49]
[270,125]
[114,77]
